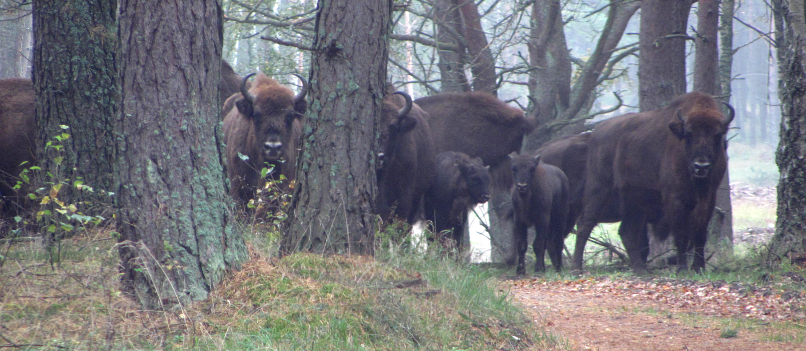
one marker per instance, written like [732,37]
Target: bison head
[703,132]
[273,109]
[523,170]
[395,122]
[477,178]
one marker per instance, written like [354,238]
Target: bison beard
[406,163]
[663,167]
[461,183]
[264,127]
[16,139]
[540,199]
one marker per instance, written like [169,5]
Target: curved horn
[245,92]
[731,113]
[405,110]
[303,92]
[680,116]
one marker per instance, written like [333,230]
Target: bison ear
[244,106]
[406,123]
[677,129]
[301,107]
[537,158]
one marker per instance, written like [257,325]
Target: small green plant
[729,333]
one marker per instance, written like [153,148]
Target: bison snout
[522,187]
[700,169]
[272,149]
[484,198]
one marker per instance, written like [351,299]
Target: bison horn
[731,113]
[405,110]
[245,92]
[303,92]
[680,116]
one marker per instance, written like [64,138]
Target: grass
[753,164]
[401,301]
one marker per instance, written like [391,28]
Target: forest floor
[660,313]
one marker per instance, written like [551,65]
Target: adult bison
[17,130]
[480,125]
[461,183]
[540,199]
[663,167]
[264,128]
[229,85]
[570,154]
[407,158]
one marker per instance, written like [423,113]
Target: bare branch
[287,43]
[765,35]
[424,41]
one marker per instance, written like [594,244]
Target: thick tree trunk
[332,210]
[75,81]
[789,240]
[451,63]
[662,62]
[482,64]
[174,217]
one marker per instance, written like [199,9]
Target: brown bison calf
[16,138]
[460,184]
[406,162]
[264,129]
[540,199]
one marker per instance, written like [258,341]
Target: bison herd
[441,155]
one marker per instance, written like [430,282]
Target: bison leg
[583,233]
[555,247]
[633,236]
[519,232]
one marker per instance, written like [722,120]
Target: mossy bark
[332,210]
[174,215]
[75,83]
[789,240]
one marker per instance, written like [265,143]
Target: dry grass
[303,301]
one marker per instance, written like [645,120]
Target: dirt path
[604,314]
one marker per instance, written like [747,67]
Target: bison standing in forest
[265,127]
[229,85]
[17,130]
[663,167]
[461,183]
[540,199]
[480,125]
[407,159]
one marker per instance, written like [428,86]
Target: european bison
[663,167]
[460,184]
[229,85]
[570,154]
[540,198]
[406,161]
[16,137]
[480,125]
[264,127]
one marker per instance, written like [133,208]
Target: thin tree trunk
[75,82]
[332,210]
[174,215]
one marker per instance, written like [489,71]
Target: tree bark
[174,215]
[332,210]
[662,62]
[482,64]
[75,83]
[451,63]
[789,240]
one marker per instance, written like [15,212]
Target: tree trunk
[332,210]
[451,62]
[789,240]
[174,215]
[482,64]
[662,63]
[75,82]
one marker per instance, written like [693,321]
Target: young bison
[461,183]
[540,199]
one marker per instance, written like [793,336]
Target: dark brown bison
[406,161]
[461,183]
[663,167]
[230,84]
[480,125]
[540,199]
[570,154]
[16,137]
[265,127]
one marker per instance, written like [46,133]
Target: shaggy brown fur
[664,167]
[17,126]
